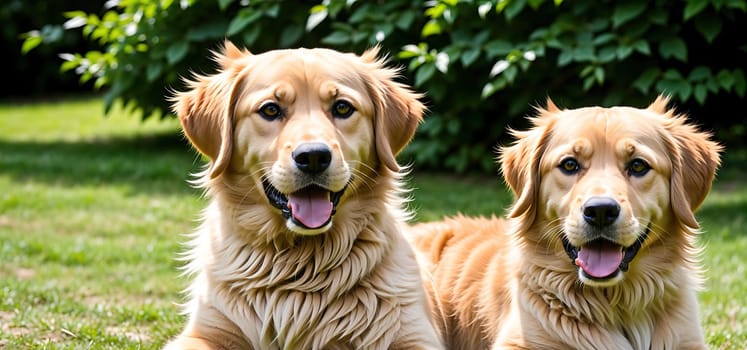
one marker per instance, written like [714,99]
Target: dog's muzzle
[311,207]
[601,259]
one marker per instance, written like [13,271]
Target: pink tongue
[600,259]
[311,206]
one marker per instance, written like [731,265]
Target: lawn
[93,211]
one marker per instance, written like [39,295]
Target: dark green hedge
[482,64]
[36,74]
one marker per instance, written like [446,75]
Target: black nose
[601,211]
[312,157]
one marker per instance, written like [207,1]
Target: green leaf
[290,35]
[599,75]
[424,73]
[432,27]
[539,33]
[514,8]
[658,16]
[177,51]
[251,35]
[74,14]
[480,38]
[603,39]
[694,7]
[673,47]
[359,14]
[68,65]
[334,7]
[588,83]
[623,52]
[211,30]
[453,125]
[646,79]
[672,82]
[737,4]
[436,11]
[358,37]
[492,87]
[740,83]
[101,34]
[607,54]
[709,26]
[565,57]
[700,92]
[272,11]
[153,71]
[318,15]
[100,82]
[583,53]
[498,48]
[409,51]
[641,46]
[240,22]
[700,73]
[469,56]
[415,63]
[487,90]
[535,4]
[337,38]
[30,43]
[626,11]
[405,20]
[685,91]
[510,73]
[587,70]
[725,79]
[672,74]
[223,4]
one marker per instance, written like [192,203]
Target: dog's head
[601,185]
[301,125]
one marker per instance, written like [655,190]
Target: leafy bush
[32,74]
[481,63]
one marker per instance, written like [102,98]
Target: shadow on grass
[159,163]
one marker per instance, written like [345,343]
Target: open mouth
[311,207]
[602,259]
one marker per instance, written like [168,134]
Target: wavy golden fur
[599,248]
[301,245]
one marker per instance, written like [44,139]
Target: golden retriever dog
[599,249]
[301,245]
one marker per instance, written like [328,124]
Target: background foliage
[38,73]
[482,64]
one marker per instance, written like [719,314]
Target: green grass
[93,211]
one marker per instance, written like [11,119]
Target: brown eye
[638,167]
[270,111]
[569,166]
[342,109]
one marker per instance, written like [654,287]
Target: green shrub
[482,64]
[32,74]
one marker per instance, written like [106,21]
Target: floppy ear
[398,111]
[695,158]
[204,110]
[520,163]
